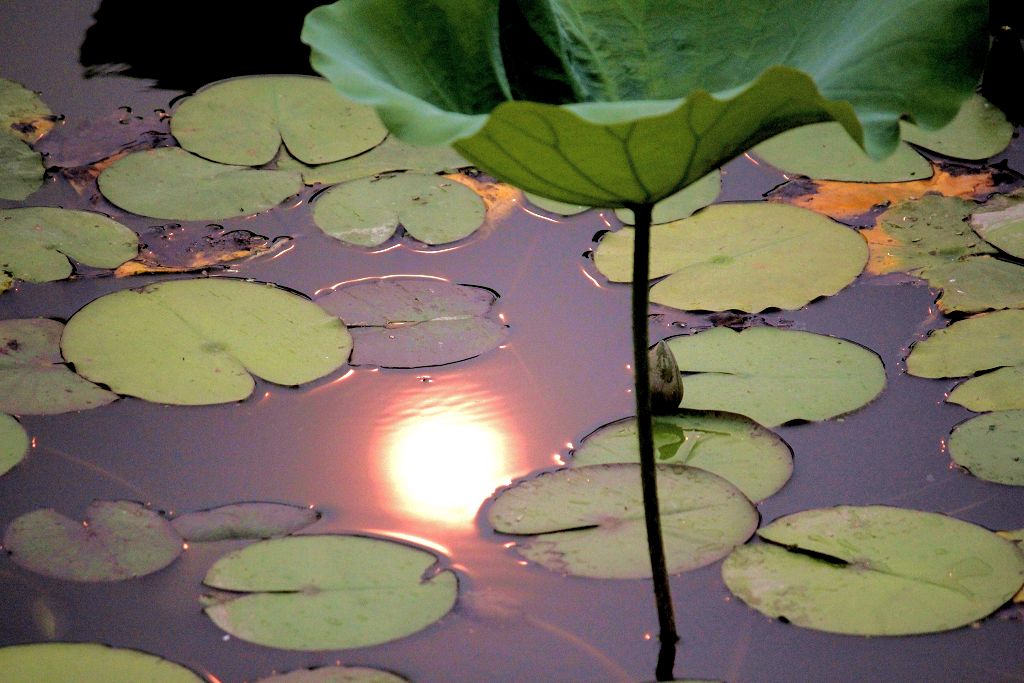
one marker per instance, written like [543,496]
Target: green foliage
[88,663]
[13,443]
[990,446]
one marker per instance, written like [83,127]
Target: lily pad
[194,342]
[991,446]
[431,208]
[33,377]
[13,443]
[752,458]
[36,243]
[741,256]
[1001,223]
[412,323]
[390,156]
[589,521]
[243,121]
[990,340]
[329,592]
[172,184]
[980,130]
[23,114]
[21,169]
[243,521]
[555,206]
[119,540]
[875,571]
[977,284]
[682,203]
[774,376]
[1001,389]
[335,674]
[88,663]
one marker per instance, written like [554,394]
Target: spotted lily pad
[13,442]
[172,184]
[1001,223]
[335,674]
[88,663]
[200,341]
[589,521]
[119,540]
[774,376]
[991,446]
[990,340]
[329,592]
[980,130]
[752,458]
[33,377]
[431,208]
[243,521]
[977,284]
[411,323]
[388,157]
[1001,389]
[21,169]
[875,571]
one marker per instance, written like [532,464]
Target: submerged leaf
[991,446]
[990,340]
[215,248]
[88,663]
[1002,389]
[243,521]
[335,674]
[13,442]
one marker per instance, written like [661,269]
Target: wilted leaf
[243,521]
[1001,223]
[13,442]
[216,248]
[666,384]
[88,663]
[1001,389]
[991,446]
[335,674]
[990,340]
[977,284]
[75,146]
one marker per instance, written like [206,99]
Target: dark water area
[412,454]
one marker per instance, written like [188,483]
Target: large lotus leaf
[22,114]
[21,169]
[755,460]
[1001,389]
[243,521]
[1001,223]
[990,340]
[243,121]
[741,256]
[119,540]
[977,284]
[589,521]
[329,592]
[621,114]
[33,377]
[390,156]
[335,674]
[774,376]
[13,442]
[875,571]
[411,323]
[431,208]
[979,131]
[36,243]
[88,663]
[991,446]
[172,184]
[197,341]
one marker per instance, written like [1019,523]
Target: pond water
[412,454]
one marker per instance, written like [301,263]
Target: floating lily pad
[88,663]
[431,208]
[412,323]
[33,377]
[328,592]
[36,243]
[196,341]
[1001,389]
[172,184]
[13,442]
[977,284]
[752,458]
[243,521]
[774,376]
[741,256]
[589,521]
[991,446]
[119,540]
[243,121]
[555,206]
[990,340]
[335,674]
[22,113]
[682,203]
[388,157]
[1001,223]
[980,130]
[21,169]
[875,571]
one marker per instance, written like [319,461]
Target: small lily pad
[194,342]
[172,184]
[734,447]
[329,592]
[88,663]
[986,341]
[875,571]
[589,521]
[979,131]
[1001,223]
[13,443]
[243,521]
[390,156]
[21,169]
[747,257]
[977,284]
[119,540]
[682,203]
[335,674]
[991,446]
[1001,389]
[366,212]
[33,377]
[412,323]
[243,121]
[774,376]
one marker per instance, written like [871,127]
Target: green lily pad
[739,450]
[22,113]
[328,592]
[980,130]
[243,121]
[990,340]
[119,540]
[194,342]
[1001,223]
[243,521]
[589,521]
[88,663]
[21,169]
[682,203]
[747,257]
[335,674]
[977,284]
[414,323]
[774,376]
[36,243]
[555,206]
[875,571]
[13,442]
[390,156]
[33,377]
[991,446]
[1001,389]
[431,208]
[172,184]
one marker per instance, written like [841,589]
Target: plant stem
[668,635]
